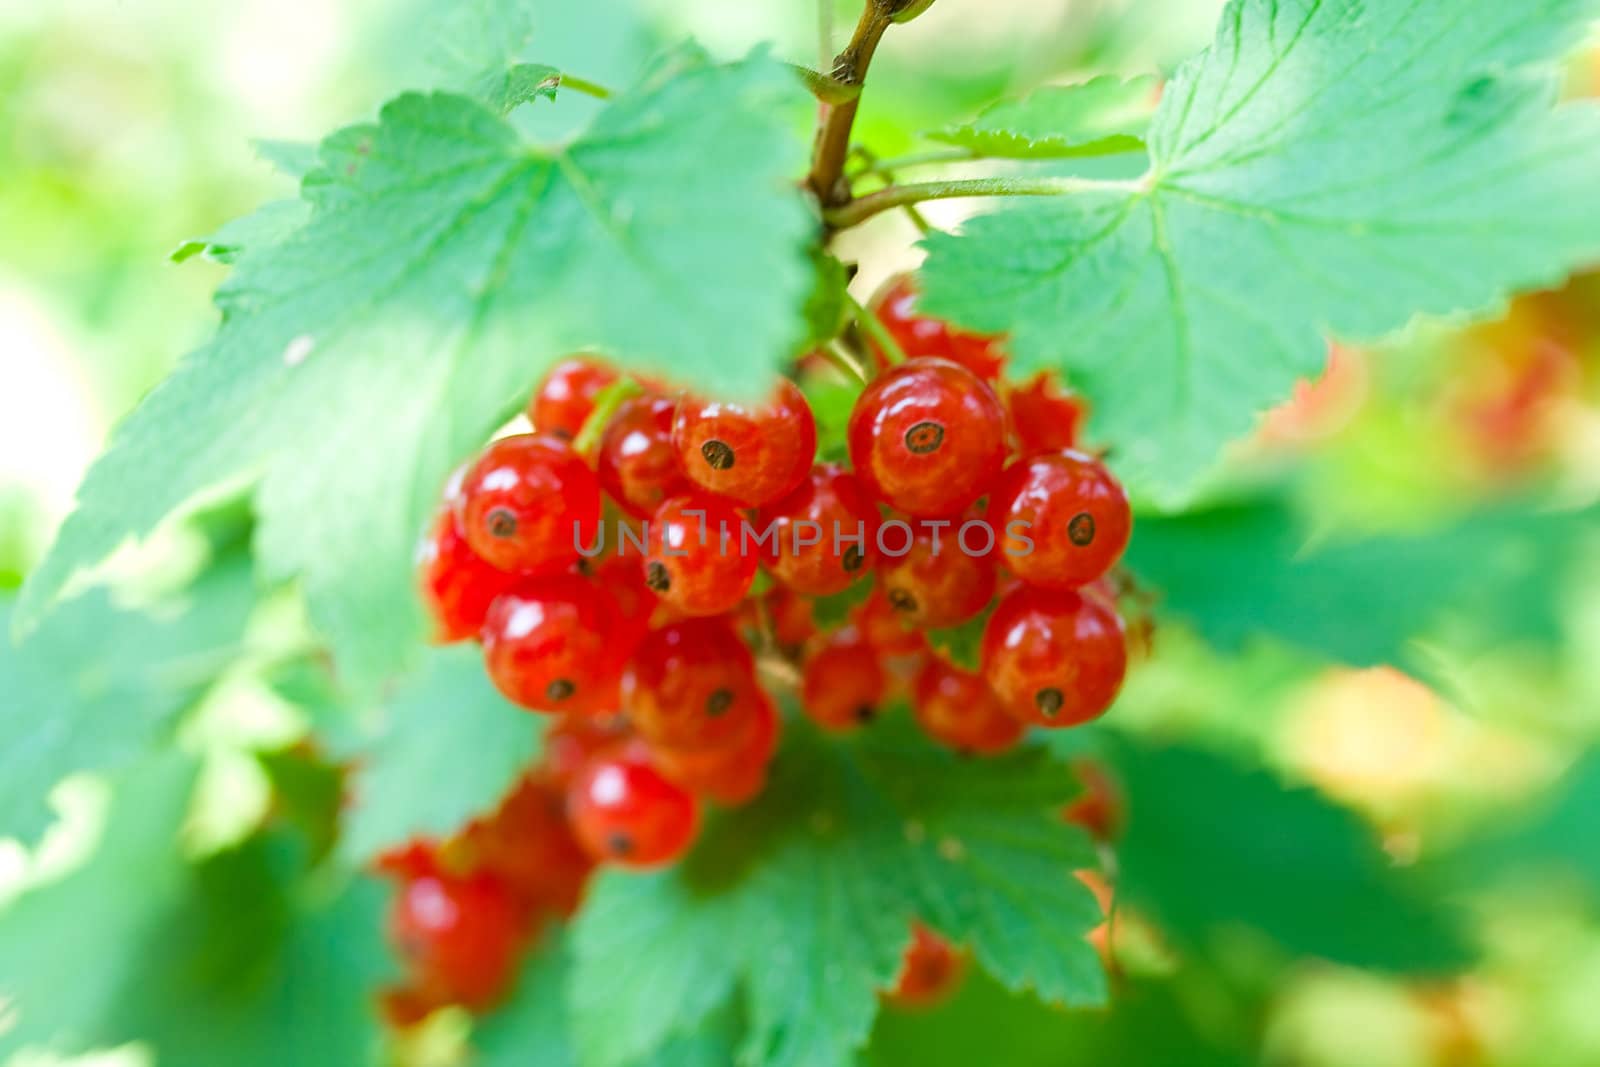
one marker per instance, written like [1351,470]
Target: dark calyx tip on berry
[559,689]
[1080,531]
[1049,701]
[656,577]
[924,437]
[866,713]
[718,455]
[619,844]
[901,600]
[719,702]
[501,522]
[853,559]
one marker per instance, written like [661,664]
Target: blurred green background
[126,128]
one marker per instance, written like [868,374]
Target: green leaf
[505,89]
[532,1027]
[831,403]
[295,159]
[804,900]
[97,686]
[1250,570]
[449,746]
[828,306]
[446,263]
[237,960]
[1099,117]
[1326,167]
[268,225]
[1556,835]
[1212,846]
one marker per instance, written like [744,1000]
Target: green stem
[585,86]
[860,210]
[833,136]
[918,159]
[868,324]
[836,353]
[606,404]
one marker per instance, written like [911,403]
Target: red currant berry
[1053,658]
[1100,808]
[749,454]
[1043,417]
[946,575]
[733,775]
[528,503]
[574,740]
[931,970]
[623,577]
[922,335]
[527,843]
[824,535]
[552,646]
[636,462]
[843,683]
[460,936]
[623,811]
[691,684]
[1063,519]
[790,616]
[697,560]
[927,437]
[565,399]
[881,627]
[457,586]
[957,708]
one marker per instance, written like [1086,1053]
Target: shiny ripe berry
[824,534]
[552,646]
[946,575]
[457,586]
[931,971]
[1044,418]
[1063,519]
[459,935]
[927,437]
[882,627]
[623,811]
[923,335]
[636,462]
[957,708]
[790,616]
[565,399]
[622,576]
[749,454]
[698,561]
[691,684]
[572,741]
[730,775]
[1053,658]
[843,683]
[528,503]
[527,843]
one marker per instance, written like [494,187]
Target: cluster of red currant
[607,564]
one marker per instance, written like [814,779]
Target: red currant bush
[1064,518]
[457,586]
[636,462]
[698,561]
[958,709]
[946,574]
[823,536]
[565,399]
[624,812]
[1053,658]
[552,646]
[691,684]
[927,437]
[843,684]
[528,503]
[749,454]
[922,335]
